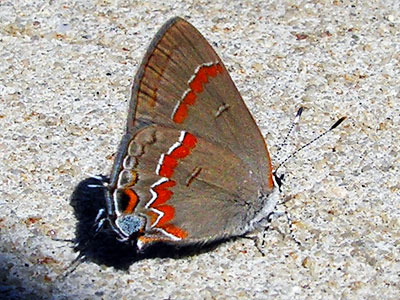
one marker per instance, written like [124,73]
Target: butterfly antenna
[292,126]
[337,123]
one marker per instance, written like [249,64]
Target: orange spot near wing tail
[176,231]
[133,201]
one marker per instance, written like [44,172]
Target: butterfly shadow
[103,247]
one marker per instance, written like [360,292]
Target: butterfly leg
[275,215]
[265,223]
[100,219]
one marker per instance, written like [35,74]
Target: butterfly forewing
[218,113]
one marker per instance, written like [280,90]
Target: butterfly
[192,166]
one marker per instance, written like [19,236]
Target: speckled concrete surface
[65,73]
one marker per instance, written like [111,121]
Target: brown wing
[193,161]
[183,84]
[187,188]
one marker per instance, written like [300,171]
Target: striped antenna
[292,126]
[336,124]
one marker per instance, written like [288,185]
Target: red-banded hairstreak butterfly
[192,166]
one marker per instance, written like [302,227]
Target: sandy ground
[65,74]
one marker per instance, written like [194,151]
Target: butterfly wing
[183,91]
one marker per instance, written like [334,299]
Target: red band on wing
[167,167]
[170,161]
[162,197]
[176,231]
[196,86]
[169,228]
[169,213]
[166,172]
[163,193]
[189,140]
[190,98]
[162,190]
[181,113]
[165,185]
[180,152]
